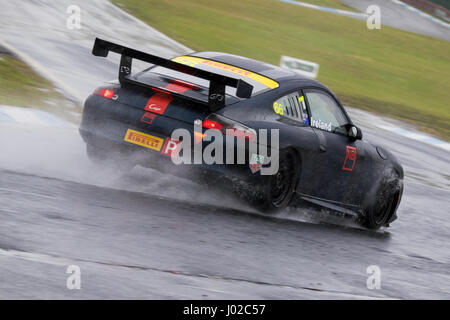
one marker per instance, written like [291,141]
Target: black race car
[314,154]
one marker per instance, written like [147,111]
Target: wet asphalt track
[144,235]
[394,15]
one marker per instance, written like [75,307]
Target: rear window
[259,82]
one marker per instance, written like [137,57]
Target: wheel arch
[297,152]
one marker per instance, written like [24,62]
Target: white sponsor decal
[154,107]
[321,125]
[256,162]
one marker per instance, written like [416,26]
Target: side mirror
[354,133]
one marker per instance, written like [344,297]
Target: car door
[337,167]
[291,110]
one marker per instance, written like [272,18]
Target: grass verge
[20,86]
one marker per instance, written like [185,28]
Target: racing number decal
[278,108]
[350,159]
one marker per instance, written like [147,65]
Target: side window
[292,106]
[325,112]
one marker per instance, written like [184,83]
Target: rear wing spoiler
[217,82]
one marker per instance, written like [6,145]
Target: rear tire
[276,191]
[113,158]
[95,154]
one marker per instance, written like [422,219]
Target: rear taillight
[209,124]
[105,93]
[229,127]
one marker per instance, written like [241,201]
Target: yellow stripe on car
[194,61]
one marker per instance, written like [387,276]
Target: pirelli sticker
[143,140]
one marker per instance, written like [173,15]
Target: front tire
[383,208]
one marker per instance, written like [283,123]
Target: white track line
[68,90]
[351,14]
[421,13]
[31,116]
[36,257]
[417,136]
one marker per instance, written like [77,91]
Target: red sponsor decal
[255,167]
[158,102]
[161,99]
[227,67]
[148,117]
[171,148]
[350,159]
[179,86]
